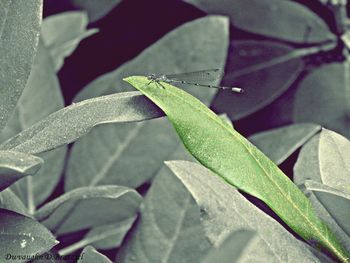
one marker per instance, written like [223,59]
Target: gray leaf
[296,23]
[22,236]
[16,165]
[19,33]
[88,207]
[278,144]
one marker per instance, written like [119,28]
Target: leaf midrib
[267,174]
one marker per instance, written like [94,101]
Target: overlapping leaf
[231,156]
[324,98]
[9,201]
[88,207]
[324,159]
[102,237]
[264,69]
[41,97]
[131,154]
[278,144]
[63,32]
[232,249]
[70,123]
[15,166]
[169,228]
[21,236]
[336,202]
[19,33]
[224,210]
[90,255]
[296,23]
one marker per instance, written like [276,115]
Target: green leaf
[335,201]
[9,201]
[278,144]
[264,69]
[102,237]
[88,207]
[324,159]
[41,97]
[90,255]
[232,249]
[22,236]
[131,154]
[62,34]
[286,20]
[19,33]
[224,210]
[15,166]
[70,123]
[323,97]
[169,228]
[231,156]
[96,9]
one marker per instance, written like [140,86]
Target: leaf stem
[30,197]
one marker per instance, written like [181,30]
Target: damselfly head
[151,76]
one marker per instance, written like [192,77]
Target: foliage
[134,189]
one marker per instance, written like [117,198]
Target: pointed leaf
[90,255]
[62,34]
[131,154]
[224,210]
[9,201]
[102,237]
[336,202]
[16,165]
[70,123]
[19,34]
[264,69]
[231,156]
[231,249]
[324,159]
[22,236]
[296,23]
[278,144]
[323,97]
[88,207]
[41,97]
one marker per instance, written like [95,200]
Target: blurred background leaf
[323,97]
[264,69]
[96,9]
[62,34]
[286,20]
[278,144]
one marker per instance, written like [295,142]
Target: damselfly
[195,78]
